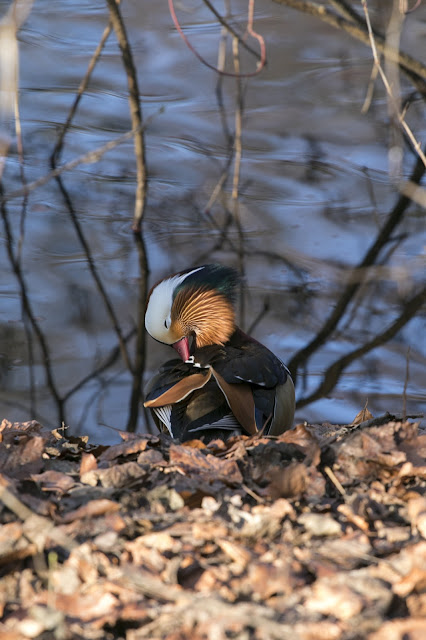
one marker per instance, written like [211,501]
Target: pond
[314,191]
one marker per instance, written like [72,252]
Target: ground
[319,534]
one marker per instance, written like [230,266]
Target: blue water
[314,188]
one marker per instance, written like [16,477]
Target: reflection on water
[314,191]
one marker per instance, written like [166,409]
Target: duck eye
[165,324]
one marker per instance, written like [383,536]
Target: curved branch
[333,373]
[135,112]
[231,30]
[28,312]
[370,257]
[140,356]
[409,65]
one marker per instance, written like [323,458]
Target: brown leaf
[53,481]
[356,519]
[363,415]
[84,607]
[323,630]
[345,552]
[92,509]
[7,427]
[21,459]
[151,457]
[370,453]
[161,541]
[210,468]
[133,445]
[319,524]
[148,558]
[417,605]
[88,463]
[119,475]
[209,530]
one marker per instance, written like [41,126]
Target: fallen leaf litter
[318,534]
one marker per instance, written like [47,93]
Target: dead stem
[393,39]
[346,11]
[140,349]
[404,391]
[334,480]
[236,176]
[135,111]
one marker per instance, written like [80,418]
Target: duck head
[196,303]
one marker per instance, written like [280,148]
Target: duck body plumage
[231,383]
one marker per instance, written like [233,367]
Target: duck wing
[244,359]
[188,403]
[244,362]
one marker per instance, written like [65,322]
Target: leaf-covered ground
[319,534]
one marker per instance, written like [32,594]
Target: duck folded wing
[243,359]
[178,391]
[204,414]
[187,402]
[245,362]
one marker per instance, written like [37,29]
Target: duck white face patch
[158,312]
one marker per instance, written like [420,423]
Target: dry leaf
[362,416]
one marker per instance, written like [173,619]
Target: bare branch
[333,373]
[135,111]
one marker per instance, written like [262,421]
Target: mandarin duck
[225,383]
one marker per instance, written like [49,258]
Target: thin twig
[238,147]
[250,31]
[135,111]
[347,11]
[221,60]
[370,90]
[20,149]
[334,480]
[90,157]
[259,316]
[140,357]
[227,27]
[407,377]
